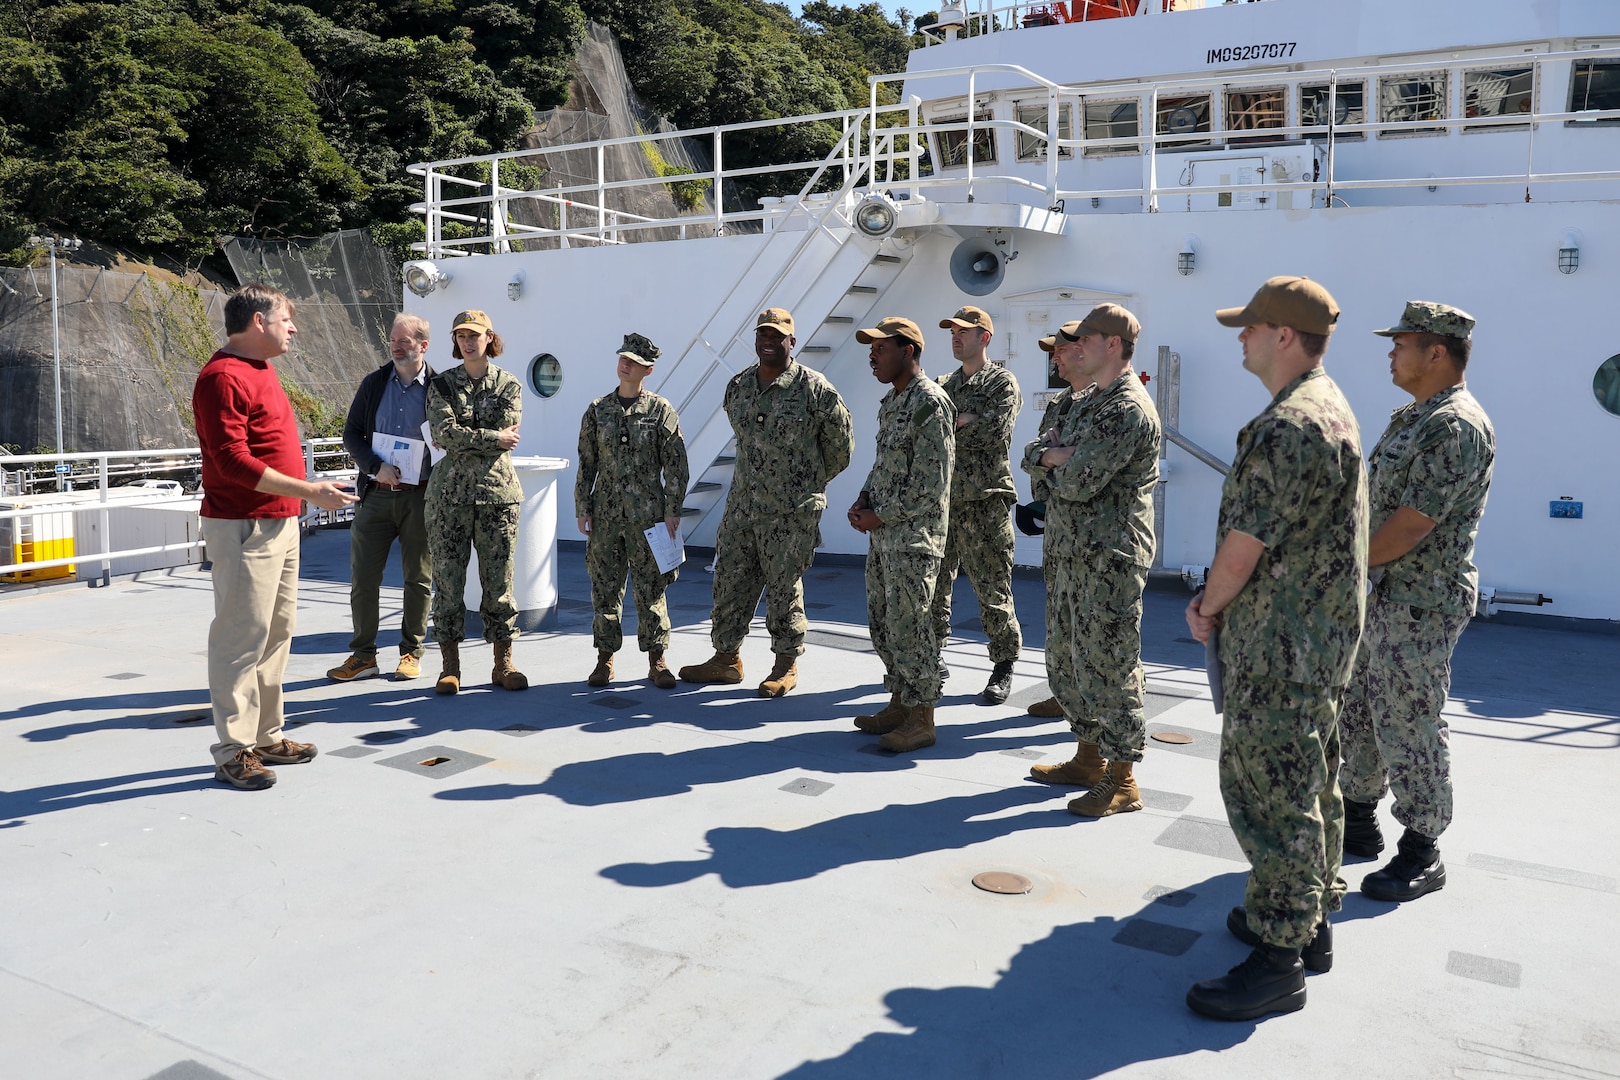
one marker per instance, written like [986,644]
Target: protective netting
[602,105]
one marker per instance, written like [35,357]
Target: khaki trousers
[255,609]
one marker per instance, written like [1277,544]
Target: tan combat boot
[602,673]
[1085,769]
[504,674]
[1048,709]
[659,672]
[885,719]
[1115,793]
[915,731]
[783,677]
[722,667]
[449,667]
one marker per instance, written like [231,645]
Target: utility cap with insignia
[475,319]
[893,326]
[1286,301]
[639,349]
[778,319]
[969,318]
[1428,317]
[1109,320]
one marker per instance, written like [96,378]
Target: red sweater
[245,424]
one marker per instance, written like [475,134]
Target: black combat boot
[1416,869]
[1317,956]
[1000,685]
[1271,980]
[1361,835]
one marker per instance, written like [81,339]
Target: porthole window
[545,374]
[1606,385]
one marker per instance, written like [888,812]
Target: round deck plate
[1176,737]
[1000,881]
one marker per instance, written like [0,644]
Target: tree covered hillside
[157,126]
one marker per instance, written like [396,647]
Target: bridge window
[1111,120]
[1348,107]
[1256,110]
[1498,92]
[1606,385]
[1032,149]
[953,144]
[1182,116]
[1403,99]
[1594,85]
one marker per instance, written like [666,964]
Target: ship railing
[1328,181]
[989,18]
[468,193]
[108,482]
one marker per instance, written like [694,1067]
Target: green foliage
[160,125]
[317,417]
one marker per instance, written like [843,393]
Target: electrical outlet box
[1564,508]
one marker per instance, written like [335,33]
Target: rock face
[132,345]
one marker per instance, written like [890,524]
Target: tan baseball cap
[893,326]
[475,319]
[1286,301]
[1428,317]
[1110,320]
[779,319]
[969,317]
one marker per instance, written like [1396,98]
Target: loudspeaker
[977,267]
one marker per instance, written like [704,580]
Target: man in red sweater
[253,484]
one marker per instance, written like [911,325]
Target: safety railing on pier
[107,483]
[896,147]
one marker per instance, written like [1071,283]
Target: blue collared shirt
[403,408]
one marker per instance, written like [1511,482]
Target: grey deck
[644,883]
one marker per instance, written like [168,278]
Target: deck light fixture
[1569,253]
[422,277]
[514,288]
[876,216]
[1187,258]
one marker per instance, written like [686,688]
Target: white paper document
[668,551]
[404,454]
[435,454]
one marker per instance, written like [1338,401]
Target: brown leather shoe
[722,667]
[783,677]
[659,672]
[885,719]
[450,667]
[1115,793]
[504,675]
[1048,709]
[915,731]
[245,771]
[286,752]
[1083,770]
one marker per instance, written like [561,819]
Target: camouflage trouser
[980,541]
[899,586]
[1094,650]
[769,553]
[613,549]
[454,529]
[1279,778]
[1392,722]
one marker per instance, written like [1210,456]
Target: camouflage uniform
[1287,643]
[632,474]
[473,499]
[1435,457]
[793,437]
[979,536]
[910,491]
[1097,549]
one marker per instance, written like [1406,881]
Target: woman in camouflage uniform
[473,498]
[632,474]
